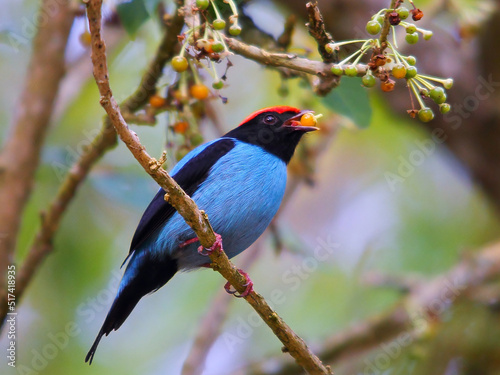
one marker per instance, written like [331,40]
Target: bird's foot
[248,284]
[216,246]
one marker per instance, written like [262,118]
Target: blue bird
[238,179]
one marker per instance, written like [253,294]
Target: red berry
[416,14]
[394,18]
[388,85]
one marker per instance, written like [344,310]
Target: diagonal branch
[211,324]
[185,206]
[426,301]
[103,142]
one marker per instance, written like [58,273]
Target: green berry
[180,64]
[380,19]
[330,48]
[425,114]
[219,24]
[351,71]
[403,12]
[202,4]
[373,27]
[218,85]
[438,95]
[411,38]
[217,47]
[410,29]
[235,30]
[411,60]
[444,108]
[368,80]
[448,83]
[411,72]
[337,70]
[196,139]
[427,34]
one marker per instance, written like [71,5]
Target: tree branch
[21,153]
[103,142]
[316,28]
[281,60]
[211,323]
[185,206]
[426,301]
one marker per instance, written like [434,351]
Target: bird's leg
[216,246]
[248,284]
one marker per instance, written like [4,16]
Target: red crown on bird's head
[278,109]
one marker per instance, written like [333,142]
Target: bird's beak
[293,123]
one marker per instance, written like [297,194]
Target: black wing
[189,177]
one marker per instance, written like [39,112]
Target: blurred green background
[420,226]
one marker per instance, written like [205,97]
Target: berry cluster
[386,63]
[203,46]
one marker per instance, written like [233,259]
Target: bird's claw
[216,246]
[248,285]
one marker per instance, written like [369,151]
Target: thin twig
[185,206]
[386,28]
[316,28]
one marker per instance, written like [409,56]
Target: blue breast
[241,195]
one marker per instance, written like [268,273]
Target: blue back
[241,195]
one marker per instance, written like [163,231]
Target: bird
[238,179]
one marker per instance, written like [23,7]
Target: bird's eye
[270,120]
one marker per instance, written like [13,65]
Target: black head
[276,129]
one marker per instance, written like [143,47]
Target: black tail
[149,277]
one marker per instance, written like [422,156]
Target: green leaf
[151,6]
[351,100]
[132,15]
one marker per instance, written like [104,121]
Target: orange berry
[156,101]
[180,127]
[85,38]
[387,85]
[399,71]
[308,119]
[199,91]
